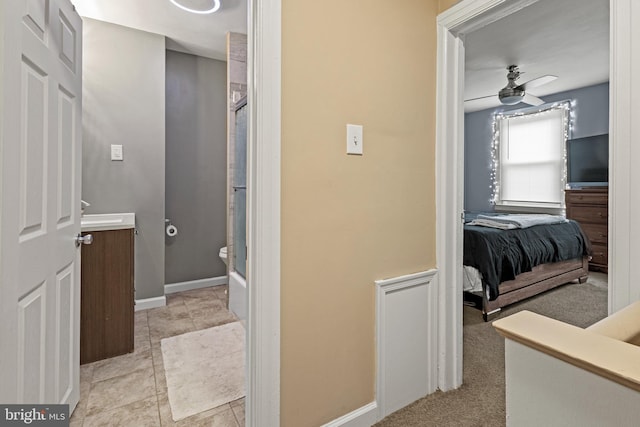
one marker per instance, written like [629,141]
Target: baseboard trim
[144,304]
[364,416]
[172,288]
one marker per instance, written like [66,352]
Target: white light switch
[354,139]
[116,152]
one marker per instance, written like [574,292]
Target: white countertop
[103,222]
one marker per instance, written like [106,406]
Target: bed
[504,266]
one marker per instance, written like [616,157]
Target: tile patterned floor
[131,390]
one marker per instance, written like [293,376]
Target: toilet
[223,255]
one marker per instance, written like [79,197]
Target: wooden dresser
[590,207]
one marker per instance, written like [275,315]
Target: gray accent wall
[196,166]
[124,103]
[590,117]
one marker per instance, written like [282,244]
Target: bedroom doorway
[453,26]
[515,161]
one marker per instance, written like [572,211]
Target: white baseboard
[172,288]
[143,304]
[407,340]
[364,416]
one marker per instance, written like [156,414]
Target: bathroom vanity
[107,292]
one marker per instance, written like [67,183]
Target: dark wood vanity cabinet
[107,295]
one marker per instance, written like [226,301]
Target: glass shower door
[240,191]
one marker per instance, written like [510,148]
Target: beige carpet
[204,369]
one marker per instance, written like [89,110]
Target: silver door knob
[87,239]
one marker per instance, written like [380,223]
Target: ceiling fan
[514,93]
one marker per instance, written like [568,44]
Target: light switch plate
[116,152]
[354,139]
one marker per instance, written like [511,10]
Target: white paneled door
[40,167]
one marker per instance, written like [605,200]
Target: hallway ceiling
[566,38]
[203,35]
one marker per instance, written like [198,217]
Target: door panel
[31,345]
[64,333]
[66,145]
[33,141]
[40,128]
[67,40]
[34,16]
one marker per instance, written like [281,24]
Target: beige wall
[446,4]
[349,220]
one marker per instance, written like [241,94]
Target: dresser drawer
[600,254]
[590,208]
[590,214]
[597,233]
[587,198]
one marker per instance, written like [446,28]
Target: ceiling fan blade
[537,82]
[476,104]
[482,97]
[532,100]
[481,103]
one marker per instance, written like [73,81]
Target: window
[529,158]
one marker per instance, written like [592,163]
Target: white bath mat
[204,369]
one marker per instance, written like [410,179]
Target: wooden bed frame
[542,278]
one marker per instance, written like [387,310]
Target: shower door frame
[233,223]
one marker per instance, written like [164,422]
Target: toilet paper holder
[170,229]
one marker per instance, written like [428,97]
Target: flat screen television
[588,161]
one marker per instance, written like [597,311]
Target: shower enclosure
[240,190]
[238,264]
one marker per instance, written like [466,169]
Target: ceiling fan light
[215,5]
[511,100]
[511,96]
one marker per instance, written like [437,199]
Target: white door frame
[453,24]
[262,406]
[624,201]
